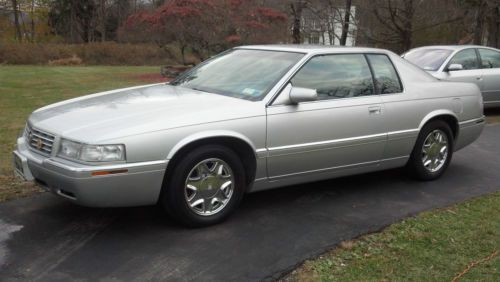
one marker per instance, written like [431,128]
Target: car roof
[309,48]
[451,47]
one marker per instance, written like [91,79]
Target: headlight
[70,149]
[91,153]
[102,153]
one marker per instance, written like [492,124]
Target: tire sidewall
[173,197]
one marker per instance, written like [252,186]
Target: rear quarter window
[385,75]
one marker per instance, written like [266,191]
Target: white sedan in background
[463,63]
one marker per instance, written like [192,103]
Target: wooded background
[187,31]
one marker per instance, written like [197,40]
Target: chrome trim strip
[103,167]
[261,153]
[404,131]
[402,134]
[327,142]
[60,193]
[474,120]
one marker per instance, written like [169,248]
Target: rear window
[428,59]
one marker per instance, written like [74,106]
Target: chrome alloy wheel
[435,150]
[209,187]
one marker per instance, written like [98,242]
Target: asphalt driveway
[45,238]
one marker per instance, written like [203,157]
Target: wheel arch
[240,144]
[445,115]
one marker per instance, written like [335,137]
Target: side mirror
[298,94]
[455,67]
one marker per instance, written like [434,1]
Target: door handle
[374,110]
[479,78]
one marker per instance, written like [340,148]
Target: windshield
[428,59]
[239,73]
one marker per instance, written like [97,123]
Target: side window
[489,58]
[467,58]
[336,76]
[386,77]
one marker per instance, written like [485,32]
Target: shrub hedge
[106,53]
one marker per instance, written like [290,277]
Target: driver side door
[344,128]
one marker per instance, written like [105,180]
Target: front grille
[39,141]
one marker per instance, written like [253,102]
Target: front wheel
[432,152]
[205,186]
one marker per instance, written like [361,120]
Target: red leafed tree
[207,26]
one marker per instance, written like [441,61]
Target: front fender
[208,134]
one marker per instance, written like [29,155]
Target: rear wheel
[432,152]
[205,186]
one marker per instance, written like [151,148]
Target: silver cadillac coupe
[249,119]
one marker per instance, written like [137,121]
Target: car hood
[136,110]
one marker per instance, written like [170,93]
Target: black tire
[173,197]
[415,165]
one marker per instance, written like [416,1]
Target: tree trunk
[493,27]
[15,9]
[497,39]
[32,20]
[103,20]
[407,35]
[297,17]
[345,26]
[72,23]
[478,28]
[183,54]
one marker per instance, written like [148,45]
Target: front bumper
[135,184]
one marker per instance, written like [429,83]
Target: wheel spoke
[431,138]
[214,167]
[225,188]
[197,203]
[435,163]
[203,169]
[193,183]
[215,203]
[437,137]
[191,191]
[219,170]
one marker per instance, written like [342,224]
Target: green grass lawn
[433,246]
[26,88]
